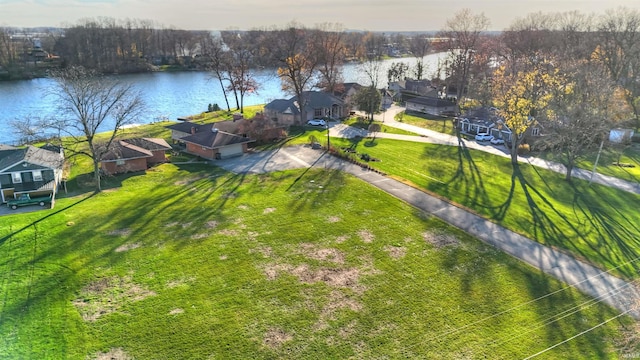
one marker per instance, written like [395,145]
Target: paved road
[590,280]
[434,137]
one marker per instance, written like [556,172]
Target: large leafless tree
[90,104]
[462,32]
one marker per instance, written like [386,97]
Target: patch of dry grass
[107,295]
[440,239]
[127,247]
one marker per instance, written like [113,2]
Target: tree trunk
[567,175]
[514,151]
[96,174]
[224,92]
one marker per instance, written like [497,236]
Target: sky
[371,15]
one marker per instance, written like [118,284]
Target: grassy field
[596,223]
[189,261]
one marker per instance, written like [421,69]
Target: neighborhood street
[590,280]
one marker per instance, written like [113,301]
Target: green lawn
[191,262]
[355,122]
[595,223]
[431,122]
[608,162]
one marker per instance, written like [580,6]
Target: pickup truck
[25,200]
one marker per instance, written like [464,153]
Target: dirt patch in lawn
[366,236]
[229,232]
[269,210]
[440,239]
[127,247]
[185,281]
[176,311]
[211,224]
[171,224]
[107,295]
[120,232]
[199,236]
[395,252]
[333,219]
[266,251]
[333,277]
[312,251]
[113,354]
[274,338]
[342,238]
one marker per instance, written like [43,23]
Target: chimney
[193,130]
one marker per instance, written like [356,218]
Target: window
[16,177]
[120,162]
[37,175]
[535,131]
[317,113]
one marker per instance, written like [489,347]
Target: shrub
[524,149]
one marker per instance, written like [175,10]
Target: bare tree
[218,64]
[419,46]
[330,47]
[580,118]
[298,63]
[462,33]
[90,104]
[619,50]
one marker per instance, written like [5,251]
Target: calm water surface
[166,95]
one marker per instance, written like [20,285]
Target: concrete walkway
[434,137]
[590,280]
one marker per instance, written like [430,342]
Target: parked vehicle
[317,122]
[26,199]
[483,137]
[497,141]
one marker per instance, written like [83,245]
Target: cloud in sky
[381,15]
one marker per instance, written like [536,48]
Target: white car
[483,137]
[317,122]
[497,141]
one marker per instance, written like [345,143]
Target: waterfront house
[137,154]
[317,105]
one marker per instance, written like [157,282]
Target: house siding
[200,151]
[157,158]
[130,165]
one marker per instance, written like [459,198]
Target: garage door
[231,150]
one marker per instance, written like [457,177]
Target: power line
[577,335]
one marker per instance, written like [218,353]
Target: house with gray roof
[431,105]
[30,170]
[318,105]
[136,154]
[208,141]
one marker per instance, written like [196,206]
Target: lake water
[167,95]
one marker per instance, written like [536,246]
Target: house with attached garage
[136,154]
[207,141]
[37,171]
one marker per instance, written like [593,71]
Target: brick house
[131,155]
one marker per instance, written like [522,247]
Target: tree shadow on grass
[618,239]
[466,185]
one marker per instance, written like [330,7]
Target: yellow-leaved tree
[520,97]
